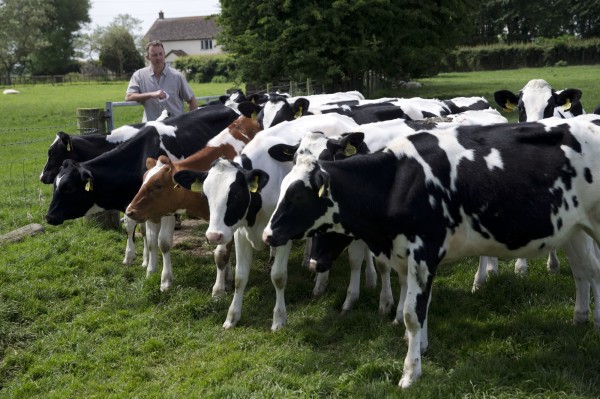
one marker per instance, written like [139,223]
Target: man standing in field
[159,87]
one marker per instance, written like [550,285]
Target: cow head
[72,197]
[158,195]
[233,195]
[538,100]
[305,206]
[277,110]
[60,149]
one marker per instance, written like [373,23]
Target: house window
[206,44]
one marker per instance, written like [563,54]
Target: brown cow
[159,195]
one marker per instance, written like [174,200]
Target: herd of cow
[413,183]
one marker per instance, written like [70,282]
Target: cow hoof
[385,308]
[218,293]
[277,325]
[581,318]
[166,286]
[228,324]
[405,382]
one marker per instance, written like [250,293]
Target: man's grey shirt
[171,81]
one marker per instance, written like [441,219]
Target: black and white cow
[243,193]
[110,181]
[537,100]
[86,147]
[428,199]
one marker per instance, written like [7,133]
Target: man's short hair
[154,43]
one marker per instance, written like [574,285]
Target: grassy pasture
[74,322]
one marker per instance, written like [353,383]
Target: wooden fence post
[93,121]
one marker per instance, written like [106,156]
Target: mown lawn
[74,322]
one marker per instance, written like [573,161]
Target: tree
[19,36]
[339,41]
[66,19]
[118,52]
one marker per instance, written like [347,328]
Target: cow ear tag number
[88,185]
[196,186]
[567,105]
[349,150]
[253,185]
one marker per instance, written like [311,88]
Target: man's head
[155,53]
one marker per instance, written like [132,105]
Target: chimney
[161,15]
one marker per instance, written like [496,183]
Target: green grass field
[74,322]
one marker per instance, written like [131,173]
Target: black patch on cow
[238,200]
[429,114]
[587,173]
[559,223]
[575,201]
[246,162]
[253,209]
[326,248]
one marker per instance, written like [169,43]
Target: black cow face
[60,150]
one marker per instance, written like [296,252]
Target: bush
[560,51]
[203,69]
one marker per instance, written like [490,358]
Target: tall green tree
[66,19]
[339,41]
[22,23]
[118,51]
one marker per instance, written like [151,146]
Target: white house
[185,36]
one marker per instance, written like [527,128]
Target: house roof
[178,53]
[186,28]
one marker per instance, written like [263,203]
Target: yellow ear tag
[196,186]
[567,105]
[349,150]
[510,106]
[253,116]
[69,146]
[298,114]
[253,185]
[88,185]
[321,191]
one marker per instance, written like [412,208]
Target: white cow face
[233,195]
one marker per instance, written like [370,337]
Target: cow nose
[312,265]
[214,237]
[52,220]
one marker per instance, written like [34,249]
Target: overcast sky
[103,12]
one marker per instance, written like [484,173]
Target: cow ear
[506,99]
[283,152]
[87,178]
[190,179]
[257,180]
[322,181]
[249,109]
[300,107]
[258,98]
[567,98]
[224,98]
[352,142]
[150,163]
[66,140]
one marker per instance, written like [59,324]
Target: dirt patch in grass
[191,238]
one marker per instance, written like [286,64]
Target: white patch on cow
[122,134]
[151,172]
[162,129]
[225,138]
[535,96]
[494,160]
[270,110]
[58,180]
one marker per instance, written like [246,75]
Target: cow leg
[307,248]
[356,253]
[370,273]
[243,259]
[386,296]
[321,280]
[129,225]
[581,255]
[224,278]
[279,279]
[415,316]
[152,230]
[553,264]
[487,265]
[165,243]
[521,266]
[145,252]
